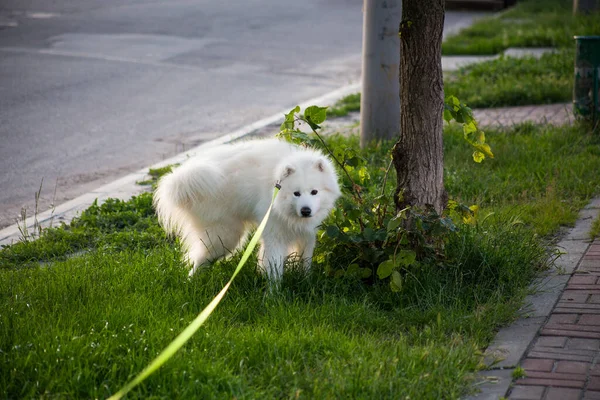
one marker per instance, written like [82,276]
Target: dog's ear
[287,171]
[320,165]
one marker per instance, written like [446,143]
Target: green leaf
[405,258]
[396,281]
[353,269]
[485,148]
[316,114]
[453,101]
[332,231]
[385,269]
[448,115]
[288,123]
[353,162]
[469,127]
[365,273]
[369,234]
[394,223]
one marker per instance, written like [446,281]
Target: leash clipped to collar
[189,331]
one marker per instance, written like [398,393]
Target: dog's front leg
[306,251]
[271,258]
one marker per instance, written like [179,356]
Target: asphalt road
[91,90]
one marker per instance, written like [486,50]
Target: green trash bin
[587,78]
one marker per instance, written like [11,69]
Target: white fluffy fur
[211,201]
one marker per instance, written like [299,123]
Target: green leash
[188,332]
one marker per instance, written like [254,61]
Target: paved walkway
[563,361]
[555,114]
[501,117]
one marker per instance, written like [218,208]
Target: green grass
[530,23]
[595,229]
[80,326]
[507,81]
[512,81]
[542,175]
[345,105]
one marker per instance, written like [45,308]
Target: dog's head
[309,187]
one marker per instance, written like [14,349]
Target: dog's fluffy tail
[177,192]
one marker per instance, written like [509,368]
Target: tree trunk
[418,154]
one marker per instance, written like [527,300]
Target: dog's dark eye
[314,192]
[297,194]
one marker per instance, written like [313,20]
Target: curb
[512,343]
[125,187]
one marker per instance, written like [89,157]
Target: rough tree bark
[418,154]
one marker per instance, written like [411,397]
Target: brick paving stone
[584,344]
[591,270]
[574,296]
[580,309]
[527,392]
[579,306]
[589,320]
[582,327]
[562,394]
[572,367]
[538,364]
[557,351]
[560,356]
[582,286]
[595,371]
[579,332]
[556,376]
[551,341]
[591,395]
[589,267]
[562,318]
[551,382]
[585,264]
[594,298]
[594,383]
[579,279]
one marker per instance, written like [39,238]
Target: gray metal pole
[380,96]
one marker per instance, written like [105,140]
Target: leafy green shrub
[366,235]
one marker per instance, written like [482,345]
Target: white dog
[214,199]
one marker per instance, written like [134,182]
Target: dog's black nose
[305,211]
